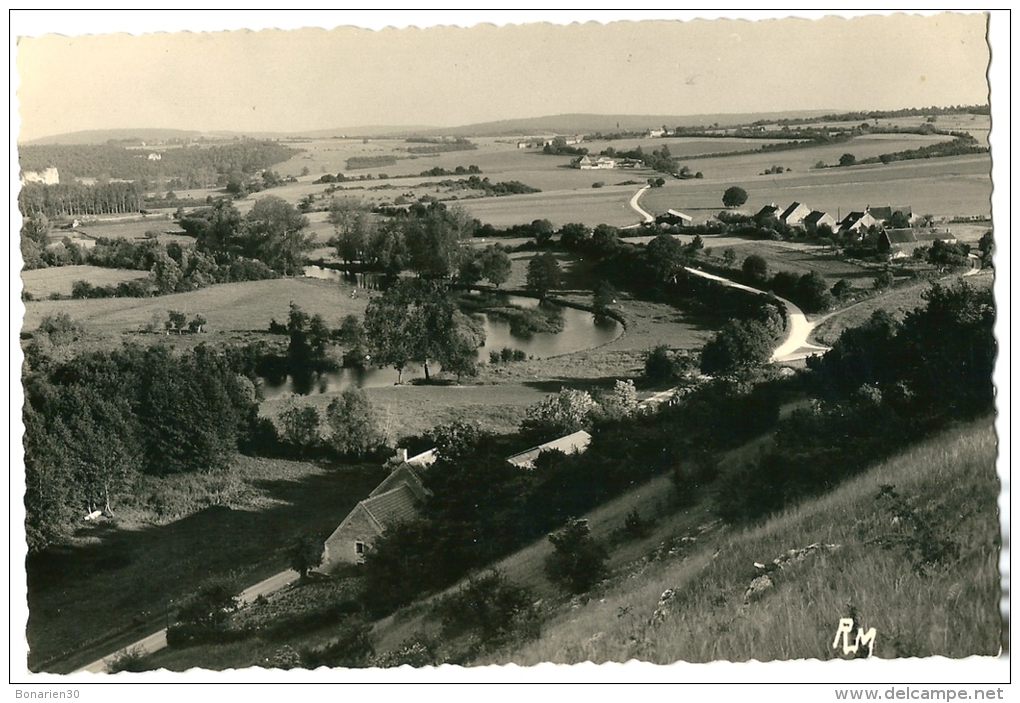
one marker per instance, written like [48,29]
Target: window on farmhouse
[359,547]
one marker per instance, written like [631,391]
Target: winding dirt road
[795,345]
[635,205]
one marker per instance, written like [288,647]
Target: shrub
[922,533]
[661,364]
[636,527]
[578,562]
[131,660]
[492,609]
[352,650]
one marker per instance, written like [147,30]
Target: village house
[771,210]
[575,443]
[817,218]
[857,223]
[884,214]
[587,163]
[795,214]
[397,499]
[674,217]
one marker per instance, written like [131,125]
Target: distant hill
[101,136]
[587,123]
[554,124]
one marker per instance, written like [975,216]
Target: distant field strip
[609,205]
[952,186]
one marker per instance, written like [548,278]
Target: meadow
[41,283]
[228,307]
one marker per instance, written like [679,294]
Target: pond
[580,331]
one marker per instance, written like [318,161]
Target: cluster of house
[541,142]
[867,226]
[402,493]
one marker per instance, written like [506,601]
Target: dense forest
[191,166]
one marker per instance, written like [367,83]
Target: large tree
[416,320]
[735,196]
[352,424]
[666,256]
[352,226]
[495,265]
[275,234]
[433,238]
[544,274]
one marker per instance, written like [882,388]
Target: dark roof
[900,236]
[402,475]
[790,210]
[886,211]
[392,507]
[767,210]
[813,217]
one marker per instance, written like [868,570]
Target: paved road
[157,640]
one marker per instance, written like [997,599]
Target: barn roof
[790,210]
[392,507]
[814,216]
[901,236]
[404,474]
[574,443]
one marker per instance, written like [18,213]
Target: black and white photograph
[349,347]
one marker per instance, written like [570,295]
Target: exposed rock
[763,581]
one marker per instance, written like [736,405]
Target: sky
[345,76]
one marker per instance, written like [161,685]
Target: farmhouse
[575,443]
[884,214]
[587,163]
[795,214]
[771,210]
[817,218]
[397,499]
[674,217]
[857,222]
[903,242]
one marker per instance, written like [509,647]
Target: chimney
[401,455]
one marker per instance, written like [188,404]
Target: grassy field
[43,282]
[950,611]
[897,301]
[228,307]
[116,584]
[946,187]
[591,206]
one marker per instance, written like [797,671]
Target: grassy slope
[897,301]
[951,611]
[114,583]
